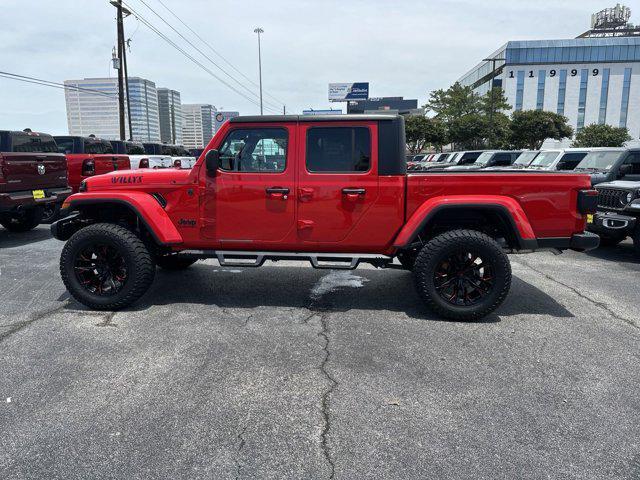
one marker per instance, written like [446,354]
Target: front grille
[612,198]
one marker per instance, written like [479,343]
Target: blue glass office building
[589,80]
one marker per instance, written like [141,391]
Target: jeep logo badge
[41,169]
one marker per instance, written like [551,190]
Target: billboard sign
[343,92]
[221,117]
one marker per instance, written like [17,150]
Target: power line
[49,83]
[218,53]
[186,54]
[201,52]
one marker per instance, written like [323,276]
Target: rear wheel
[174,262]
[106,267]
[23,222]
[462,275]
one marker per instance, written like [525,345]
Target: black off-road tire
[440,248]
[174,262]
[138,261]
[23,222]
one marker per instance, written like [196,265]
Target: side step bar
[335,261]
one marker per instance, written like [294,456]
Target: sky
[402,48]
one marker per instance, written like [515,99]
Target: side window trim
[339,172]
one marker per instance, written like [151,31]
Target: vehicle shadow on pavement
[623,253]
[297,287]
[10,240]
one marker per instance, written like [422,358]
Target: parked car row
[38,171]
[603,164]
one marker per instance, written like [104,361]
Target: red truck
[33,179]
[332,190]
[89,156]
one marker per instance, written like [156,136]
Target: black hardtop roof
[83,137]
[22,132]
[312,118]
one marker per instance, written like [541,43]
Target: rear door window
[571,160]
[98,147]
[338,149]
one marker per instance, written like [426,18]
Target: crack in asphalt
[16,327]
[325,401]
[107,322]
[241,442]
[601,305]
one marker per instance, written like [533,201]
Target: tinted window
[65,144]
[98,147]
[24,142]
[502,159]
[338,149]
[134,149]
[571,160]
[255,150]
[634,159]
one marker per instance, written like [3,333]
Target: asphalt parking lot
[290,372]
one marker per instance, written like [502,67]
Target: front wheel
[462,275]
[106,267]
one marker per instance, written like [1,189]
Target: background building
[396,105]
[89,112]
[591,79]
[170,115]
[197,124]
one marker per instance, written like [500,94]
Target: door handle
[278,192]
[354,191]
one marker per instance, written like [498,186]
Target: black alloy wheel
[464,278]
[101,269]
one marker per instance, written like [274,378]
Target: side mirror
[212,160]
[562,165]
[625,169]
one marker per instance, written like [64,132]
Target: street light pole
[491,97]
[259,31]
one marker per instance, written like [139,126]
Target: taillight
[587,201]
[144,163]
[88,168]
[177,163]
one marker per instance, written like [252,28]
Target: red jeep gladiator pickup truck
[332,190]
[33,179]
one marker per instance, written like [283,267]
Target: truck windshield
[484,158]
[526,158]
[32,143]
[545,158]
[599,161]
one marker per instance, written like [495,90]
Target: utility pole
[284,109]
[121,65]
[259,30]
[126,89]
[491,97]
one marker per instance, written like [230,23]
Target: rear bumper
[13,202]
[580,242]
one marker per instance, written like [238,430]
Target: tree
[494,101]
[469,132]
[453,103]
[422,132]
[601,136]
[530,128]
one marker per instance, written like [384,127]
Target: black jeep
[618,215]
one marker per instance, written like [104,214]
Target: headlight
[629,197]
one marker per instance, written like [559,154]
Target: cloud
[404,48]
